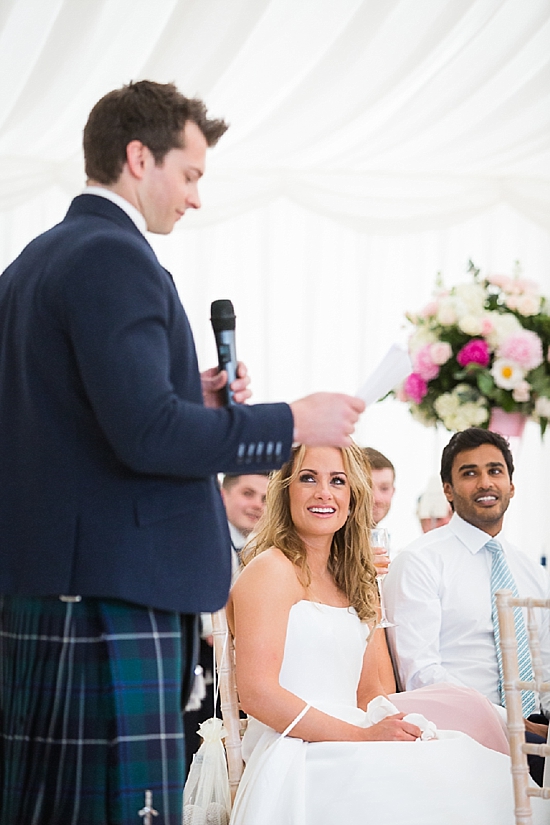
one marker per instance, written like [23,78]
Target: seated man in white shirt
[438,590]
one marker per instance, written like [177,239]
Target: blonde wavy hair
[350,560]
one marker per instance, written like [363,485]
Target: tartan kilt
[90,714]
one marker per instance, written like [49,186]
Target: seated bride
[309,659]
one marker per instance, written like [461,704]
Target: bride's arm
[377,677]
[258,613]
[384,662]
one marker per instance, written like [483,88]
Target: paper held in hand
[394,367]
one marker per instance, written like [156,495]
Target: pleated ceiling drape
[373,143]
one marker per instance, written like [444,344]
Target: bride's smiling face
[320,493]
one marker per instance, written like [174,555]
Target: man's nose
[193,199]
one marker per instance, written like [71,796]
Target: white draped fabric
[373,143]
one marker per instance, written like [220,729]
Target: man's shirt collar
[472,537]
[125,205]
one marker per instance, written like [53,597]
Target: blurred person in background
[433,509]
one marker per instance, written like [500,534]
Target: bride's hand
[392,728]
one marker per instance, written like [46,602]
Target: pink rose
[475,351]
[440,352]
[502,281]
[525,348]
[487,326]
[415,387]
[423,363]
[521,392]
[430,309]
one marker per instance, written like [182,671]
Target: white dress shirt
[438,594]
[125,205]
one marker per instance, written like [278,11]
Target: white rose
[542,407]
[470,299]
[446,405]
[446,314]
[480,415]
[471,324]
[470,415]
[462,419]
[503,327]
[449,422]
[528,304]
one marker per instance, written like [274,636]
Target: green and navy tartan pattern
[502,579]
[90,714]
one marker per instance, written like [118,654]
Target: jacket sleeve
[136,358]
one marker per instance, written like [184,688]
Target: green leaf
[486,384]
[503,398]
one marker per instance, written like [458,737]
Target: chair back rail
[506,602]
[229,700]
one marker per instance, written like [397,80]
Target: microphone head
[222,315]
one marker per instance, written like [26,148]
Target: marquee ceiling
[386,115]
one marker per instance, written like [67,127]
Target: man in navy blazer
[113,534]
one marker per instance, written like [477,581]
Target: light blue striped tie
[502,579]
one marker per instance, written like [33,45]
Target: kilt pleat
[89,712]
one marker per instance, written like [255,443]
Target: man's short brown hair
[229,479]
[378,460]
[153,113]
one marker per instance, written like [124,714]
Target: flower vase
[510,424]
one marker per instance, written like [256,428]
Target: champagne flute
[379,538]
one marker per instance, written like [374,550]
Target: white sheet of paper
[394,367]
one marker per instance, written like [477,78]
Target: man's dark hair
[468,440]
[153,113]
[378,460]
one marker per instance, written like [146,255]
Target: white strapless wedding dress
[449,781]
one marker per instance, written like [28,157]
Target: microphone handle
[227,360]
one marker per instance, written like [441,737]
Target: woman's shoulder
[270,569]
[268,586]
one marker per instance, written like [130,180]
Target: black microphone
[222,317]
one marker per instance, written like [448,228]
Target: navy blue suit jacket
[107,454]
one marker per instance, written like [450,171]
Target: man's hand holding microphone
[320,419]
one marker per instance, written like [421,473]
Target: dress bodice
[323,654]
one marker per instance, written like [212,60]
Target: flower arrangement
[480,346]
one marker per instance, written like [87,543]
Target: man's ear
[512,490]
[136,156]
[448,490]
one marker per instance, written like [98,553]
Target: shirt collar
[125,205]
[472,537]
[237,539]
